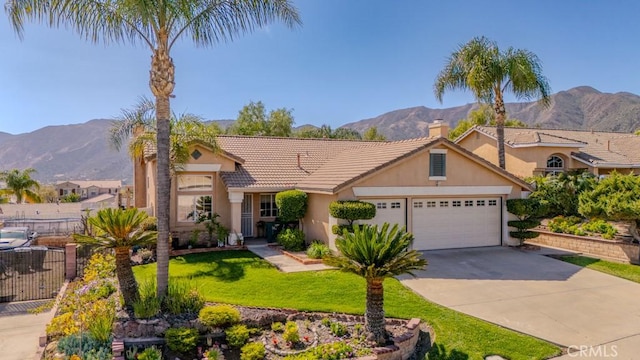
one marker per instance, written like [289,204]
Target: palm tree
[139,125]
[375,255]
[21,185]
[157,24]
[120,230]
[481,67]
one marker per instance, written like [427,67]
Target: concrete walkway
[565,304]
[20,334]
[283,262]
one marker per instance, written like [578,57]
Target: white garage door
[445,223]
[392,211]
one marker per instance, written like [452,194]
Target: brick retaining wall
[608,249]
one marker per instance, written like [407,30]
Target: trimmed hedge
[352,210]
[527,211]
[292,205]
[291,240]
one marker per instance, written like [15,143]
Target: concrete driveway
[537,295]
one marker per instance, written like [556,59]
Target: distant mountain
[578,108]
[82,151]
[66,152]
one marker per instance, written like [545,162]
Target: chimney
[439,128]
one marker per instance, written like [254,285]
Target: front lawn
[240,277]
[625,271]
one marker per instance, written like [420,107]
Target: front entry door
[247,216]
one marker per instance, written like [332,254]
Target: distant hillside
[578,108]
[66,152]
[82,151]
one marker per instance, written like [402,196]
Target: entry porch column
[235,199]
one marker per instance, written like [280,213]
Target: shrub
[84,344]
[237,335]
[602,227]
[148,304]
[560,193]
[219,315]
[146,255]
[100,266]
[150,353]
[561,224]
[277,327]
[339,229]
[292,205]
[333,351]
[183,297]
[214,353]
[527,211]
[181,339]
[291,240]
[352,210]
[62,325]
[338,329]
[318,250]
[325,322]
[102,314]
[252,351]
[291,332]
[149,224]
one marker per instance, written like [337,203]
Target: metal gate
[31,273]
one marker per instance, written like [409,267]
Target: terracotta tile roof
[83,184]
[352,165]
[595,147]
[325,165]
[273,162]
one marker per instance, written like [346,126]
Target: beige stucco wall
[522,162]
[316,224]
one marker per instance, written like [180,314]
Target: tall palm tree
[375,255]
[481,67]
[120,230]
[158,24]
[139,126]
[21,185]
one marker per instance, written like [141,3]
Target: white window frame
[200,186]
[183,211]
[272,211]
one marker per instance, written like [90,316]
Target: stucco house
[530,151]
[447,196]
[88,188]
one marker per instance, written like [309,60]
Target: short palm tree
[21,185]
[157,24]
[139,125]
[481,67]
[120,230]
[376,254]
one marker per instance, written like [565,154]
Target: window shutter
[437,165]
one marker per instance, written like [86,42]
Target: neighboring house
[100,202]
[88,189]
[530,151]
[447,196]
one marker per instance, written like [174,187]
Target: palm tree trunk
[501,114]
[162,84]
[374,316]
[128,284]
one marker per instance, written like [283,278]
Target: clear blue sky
[352,59]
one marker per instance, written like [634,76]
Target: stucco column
[235,199]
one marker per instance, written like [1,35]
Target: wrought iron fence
[83,254]
[31,273]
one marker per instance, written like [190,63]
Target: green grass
[625,271]
[239,277]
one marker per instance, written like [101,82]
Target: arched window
[555,164]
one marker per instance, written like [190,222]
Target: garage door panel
[392,211]
[455,222]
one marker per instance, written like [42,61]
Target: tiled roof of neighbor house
[99,198]
[595,147]
[325,165]
[83,184]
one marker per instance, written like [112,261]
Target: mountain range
[82,151]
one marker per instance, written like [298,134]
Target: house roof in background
[84,184]
[597,148]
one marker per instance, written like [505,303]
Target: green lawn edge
[624,271]
[242,278]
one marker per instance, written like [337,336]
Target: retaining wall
[618,250]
